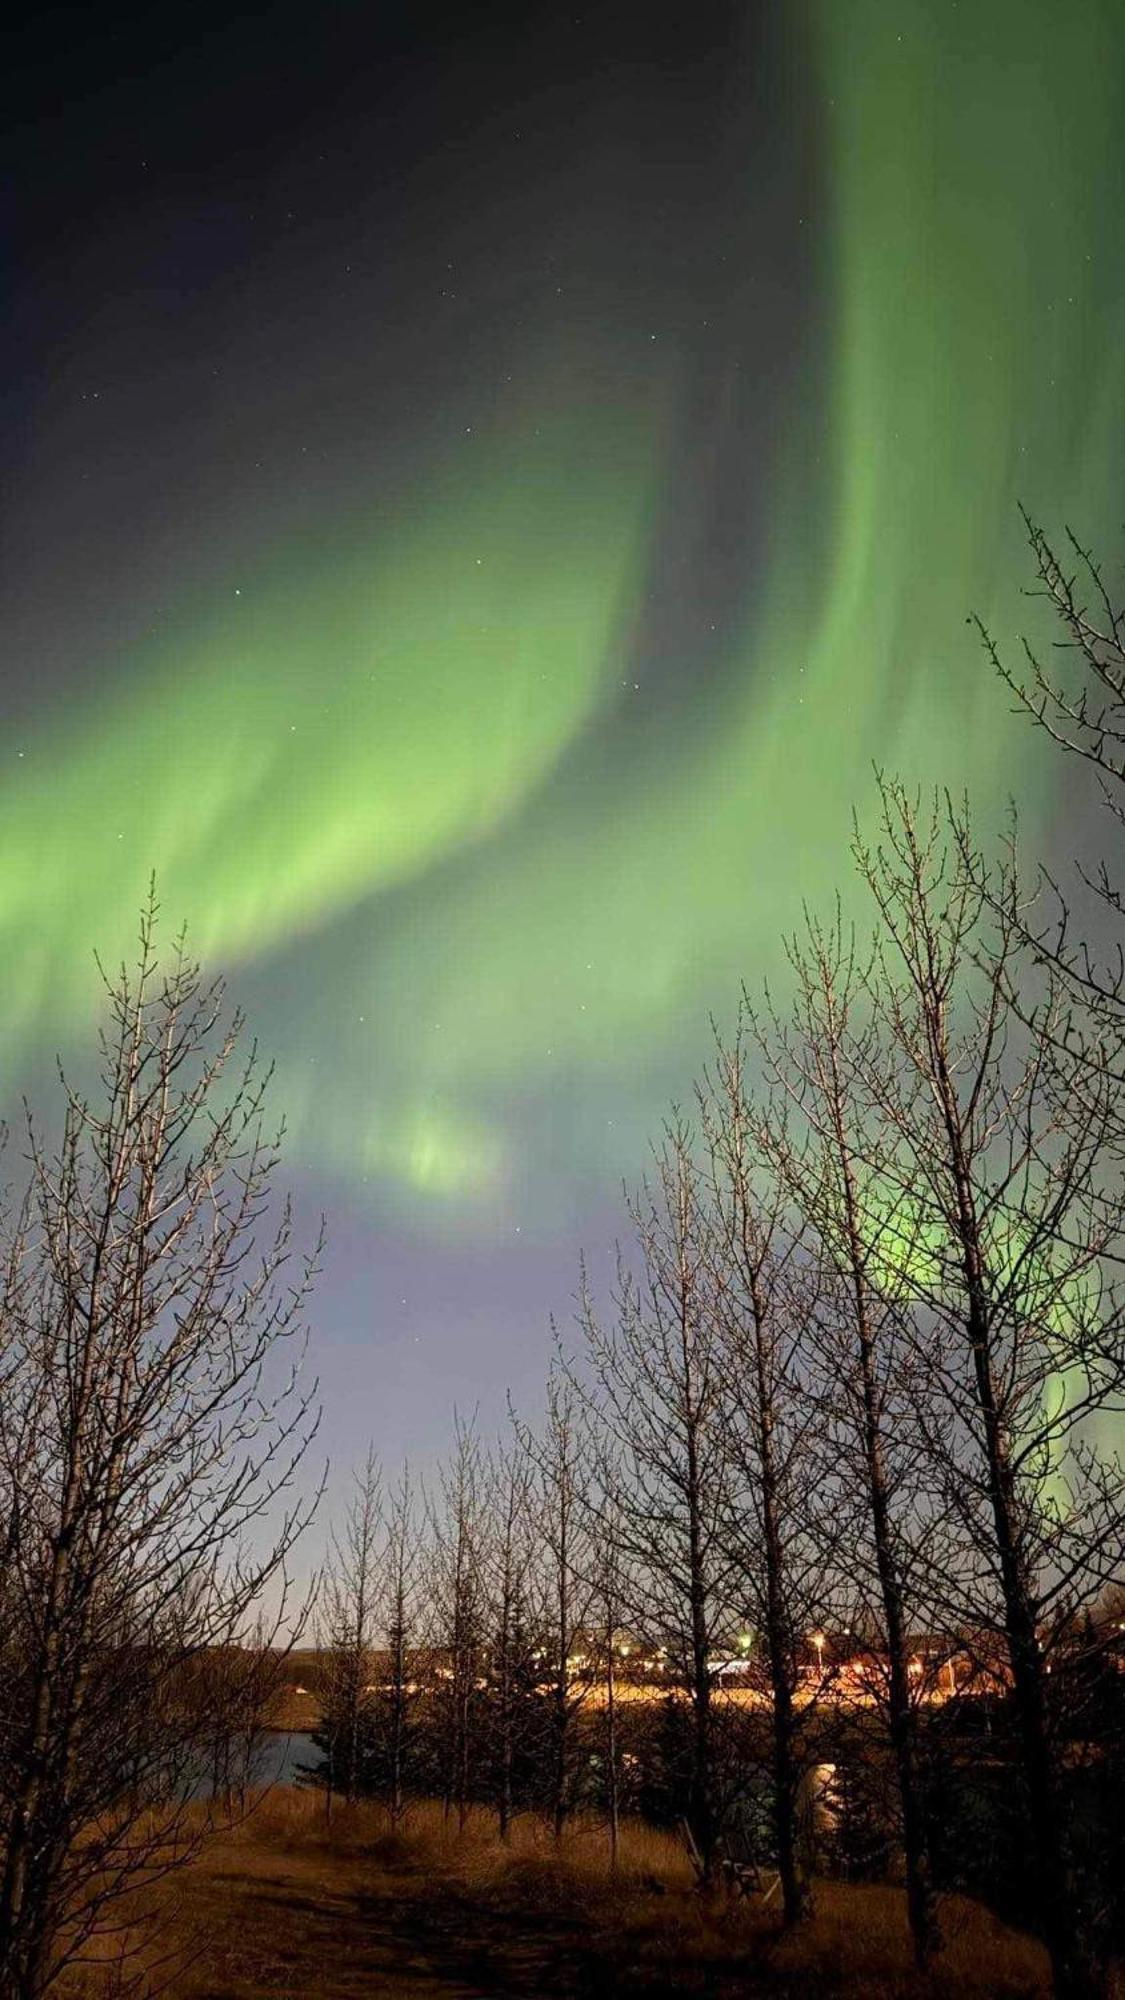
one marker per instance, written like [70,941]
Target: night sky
[481,486]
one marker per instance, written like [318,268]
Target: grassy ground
[289,1906]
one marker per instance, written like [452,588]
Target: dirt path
[363,1933]
[290,1907]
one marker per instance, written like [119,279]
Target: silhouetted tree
[1013,1246]
[610,1592]
[823,1132]
[152,1421]
[514,1656]
[458,1608]
[776,1525]
[655,1388]
[396,1705]
[351,1594]
[560,1516]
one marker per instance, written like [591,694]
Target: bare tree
[151,1430]
[514,1658]
[560,1515]
[458,1524]
[781,1535]
[824,1136]
[610,1593]
[1013,1247]
[1080,707]
[351,1603]
[654,1387]
[398,1695]
[1083,713]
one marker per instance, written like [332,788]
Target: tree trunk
[919,1884]
[1072,1967]
[612,1801]
[793,1898]
[779,1639]
[561,1732]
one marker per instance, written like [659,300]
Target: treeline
[861,1378]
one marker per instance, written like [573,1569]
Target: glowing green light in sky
[350,714]
[974,359]
[396,776]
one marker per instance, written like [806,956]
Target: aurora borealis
[480,496]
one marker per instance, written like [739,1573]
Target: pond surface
[277,1758]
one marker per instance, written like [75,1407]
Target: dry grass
[290,1905]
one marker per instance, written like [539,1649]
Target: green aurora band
[344,722]
[377,786]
